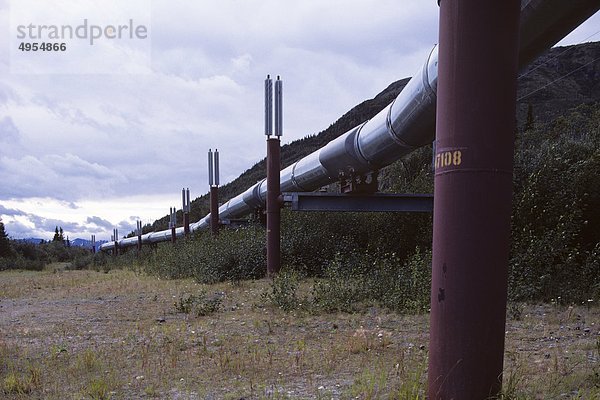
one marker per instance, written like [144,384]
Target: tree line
[15,254]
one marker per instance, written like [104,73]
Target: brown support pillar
[185,210]
[473,189]
[116,239]
[173,235]
[186,223]
[214,210]
[273,207]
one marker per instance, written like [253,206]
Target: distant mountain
[75,243]
[559,80]
[30,240]
[86,243]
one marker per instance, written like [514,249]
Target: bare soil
[93,335]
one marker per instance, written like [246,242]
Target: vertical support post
[116,239]
[273,177]
[185,195]
[139,236]
[273,207]
[214,210]
[173,224]
[472,202]
[93,244]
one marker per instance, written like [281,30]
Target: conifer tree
[56,237]
[5,248]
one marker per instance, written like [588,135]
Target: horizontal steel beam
[379,202]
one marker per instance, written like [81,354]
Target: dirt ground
[119,335]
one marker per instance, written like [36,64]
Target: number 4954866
[42,46]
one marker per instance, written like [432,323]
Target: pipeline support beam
[185,196]
[214,210]
[379,202]
[478,58]
[139,236]
[273,207]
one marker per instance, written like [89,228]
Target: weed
[283,291]
[98,390]
[88,360]
[58,350]
[150,391]
[16,384]
[515,311]
[199,304]
[370,384]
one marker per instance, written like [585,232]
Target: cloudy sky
[101,135]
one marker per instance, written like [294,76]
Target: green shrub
[555,211]
[283,291]
[351,284]
[199,304]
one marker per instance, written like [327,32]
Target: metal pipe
[403,126]
[268,106]
[472,196]
[278,107]
[273,207]
[545,22]
[210,168]
[216,169]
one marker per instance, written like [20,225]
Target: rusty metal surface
[214,210]
[472,197]
[273,207]
[186,223]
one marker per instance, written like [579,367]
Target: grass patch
[86,334]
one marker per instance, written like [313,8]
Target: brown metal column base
[472,197]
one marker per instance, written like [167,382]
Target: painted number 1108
[448,158]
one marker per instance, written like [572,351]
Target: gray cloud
[49,224]
[99,222]
[64,177]
[17,230]
[44,227]
[10,211]
[8,130]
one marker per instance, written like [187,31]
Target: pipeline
[403,126]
